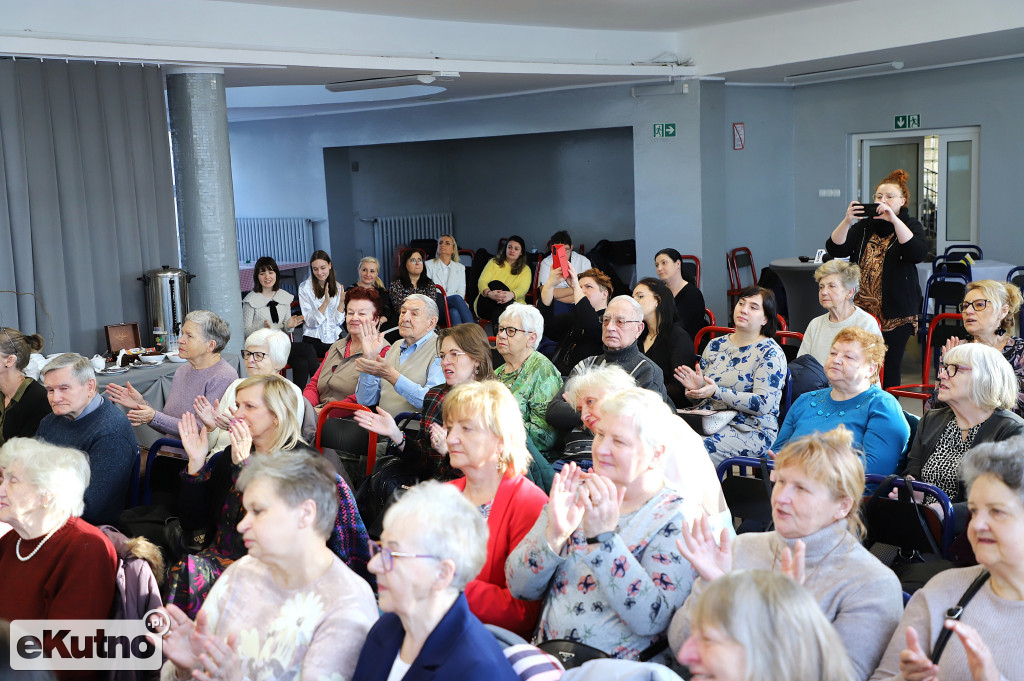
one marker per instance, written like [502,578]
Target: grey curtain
[87,202]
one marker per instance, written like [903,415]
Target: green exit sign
[664,129]
[906,121]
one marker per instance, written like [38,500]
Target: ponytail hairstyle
[14,342]
[332,281]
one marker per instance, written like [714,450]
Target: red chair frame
[735,282]
[707,331]
[924,387]
[696,261]
[444,297]
[710,316]
[371,441]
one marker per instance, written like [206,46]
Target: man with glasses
[621,326]
[399,381]
[86,421]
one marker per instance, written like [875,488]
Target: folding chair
[938,334]
[905,524]
[147,484]
[960,250]
[441,298]
[707,333]
[786,339]
[739,260]
[709,317]
[346,437]
[691,266]
[747,486]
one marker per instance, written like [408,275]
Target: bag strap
[650,651]
[956,612]
[766,475]
[925,528]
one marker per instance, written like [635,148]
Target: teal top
[534,386]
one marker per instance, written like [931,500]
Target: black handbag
[575,654]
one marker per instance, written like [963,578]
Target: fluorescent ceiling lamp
[392,81]
[263,96]
[849,72]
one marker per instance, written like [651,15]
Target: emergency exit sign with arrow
[664,129]
[906,121]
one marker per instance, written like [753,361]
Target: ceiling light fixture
[848,72]
[392,81]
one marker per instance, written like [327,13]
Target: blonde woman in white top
[445,270]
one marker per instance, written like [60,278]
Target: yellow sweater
[519,284]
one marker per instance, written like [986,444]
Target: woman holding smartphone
[887,244]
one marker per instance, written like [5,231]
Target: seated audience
[984,642]
[663,340]
[838,282]
[83,420]
[621,326]
[290,604]
[759,625]
[447,272]
[54,564]
[505,280]
[819,481]
[337,376]
[266,353]
[434,543]
[265,423]
[411,278]
[603,553]
[977,389]
[561,290]
[24,402]
[688,298]
[584,391]
[203,336]
[989,310]
[369,271]
[744,371]
[531,376]
[880,430]
[322,301]
[399,380]
[578,332]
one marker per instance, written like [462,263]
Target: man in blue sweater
[86,421]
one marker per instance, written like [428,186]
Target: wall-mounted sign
[664,129]
[739,135]
[906,121]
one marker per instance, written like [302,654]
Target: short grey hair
[81,368]
[446,524]
[605,379]
[1004,460]
[529,318]
[60,472]
[638,311]
[993,383]
[653,421]
[298,474]
[426,300]
[211,326]
[277,342]
[849,273]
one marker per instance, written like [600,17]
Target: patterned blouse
[399,292]
[618,596]
[534,385]
[869,297]
[942,468]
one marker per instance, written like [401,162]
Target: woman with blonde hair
[818,484]
[369,277]
[445,270]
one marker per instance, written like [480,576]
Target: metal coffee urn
[166,304]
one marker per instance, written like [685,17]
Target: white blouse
[326,326]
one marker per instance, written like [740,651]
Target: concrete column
[204,193]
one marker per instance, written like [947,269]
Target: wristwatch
[601,538]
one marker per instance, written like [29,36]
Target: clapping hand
[193,440]
[979,657]
[241,440]
[125,395]
[602,502]
[210,414]
[439,438]
[698,386]
[381,423]
[711,560]
[565,506]
[219,660]
[373,339]
[914,664]
[793,562]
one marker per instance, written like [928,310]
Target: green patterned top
[534,385]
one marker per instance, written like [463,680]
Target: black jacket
[901,292]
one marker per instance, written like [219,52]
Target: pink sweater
[188,384]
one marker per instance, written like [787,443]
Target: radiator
[283,239]
[392,233]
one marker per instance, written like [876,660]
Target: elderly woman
[887,245]
[584,391]
[977,389]
[819,481]
[54,564]
[266,352]
[744,371]
[24,402]
[290,604]
[989,310]
[505,279]
[369,278]
[728,640]
[984,643]
[688,299]
[265,422]
[875,418]
[531,376]
[838,282]
[411,278]
[434,542]
[663,340]
[203,336]
[603,554]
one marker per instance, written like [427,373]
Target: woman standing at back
[322,300]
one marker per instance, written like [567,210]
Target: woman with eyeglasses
[412,278]
[531,376]
[433,544]
[887,245]
[989,310]
[977,390]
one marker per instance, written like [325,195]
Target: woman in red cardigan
[487,443]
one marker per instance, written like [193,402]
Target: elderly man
[621,326]
[84,420]
[399,381]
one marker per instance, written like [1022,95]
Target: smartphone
[558,258]
[870,209]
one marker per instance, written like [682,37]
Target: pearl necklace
[17,546]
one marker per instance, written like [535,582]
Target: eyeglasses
[951,369]
[417,261]
[258,356]
[387,556]
[880,196]
[978,305]
[510,331]
[451,355]
[618,321]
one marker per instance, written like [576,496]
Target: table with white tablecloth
[980,269]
